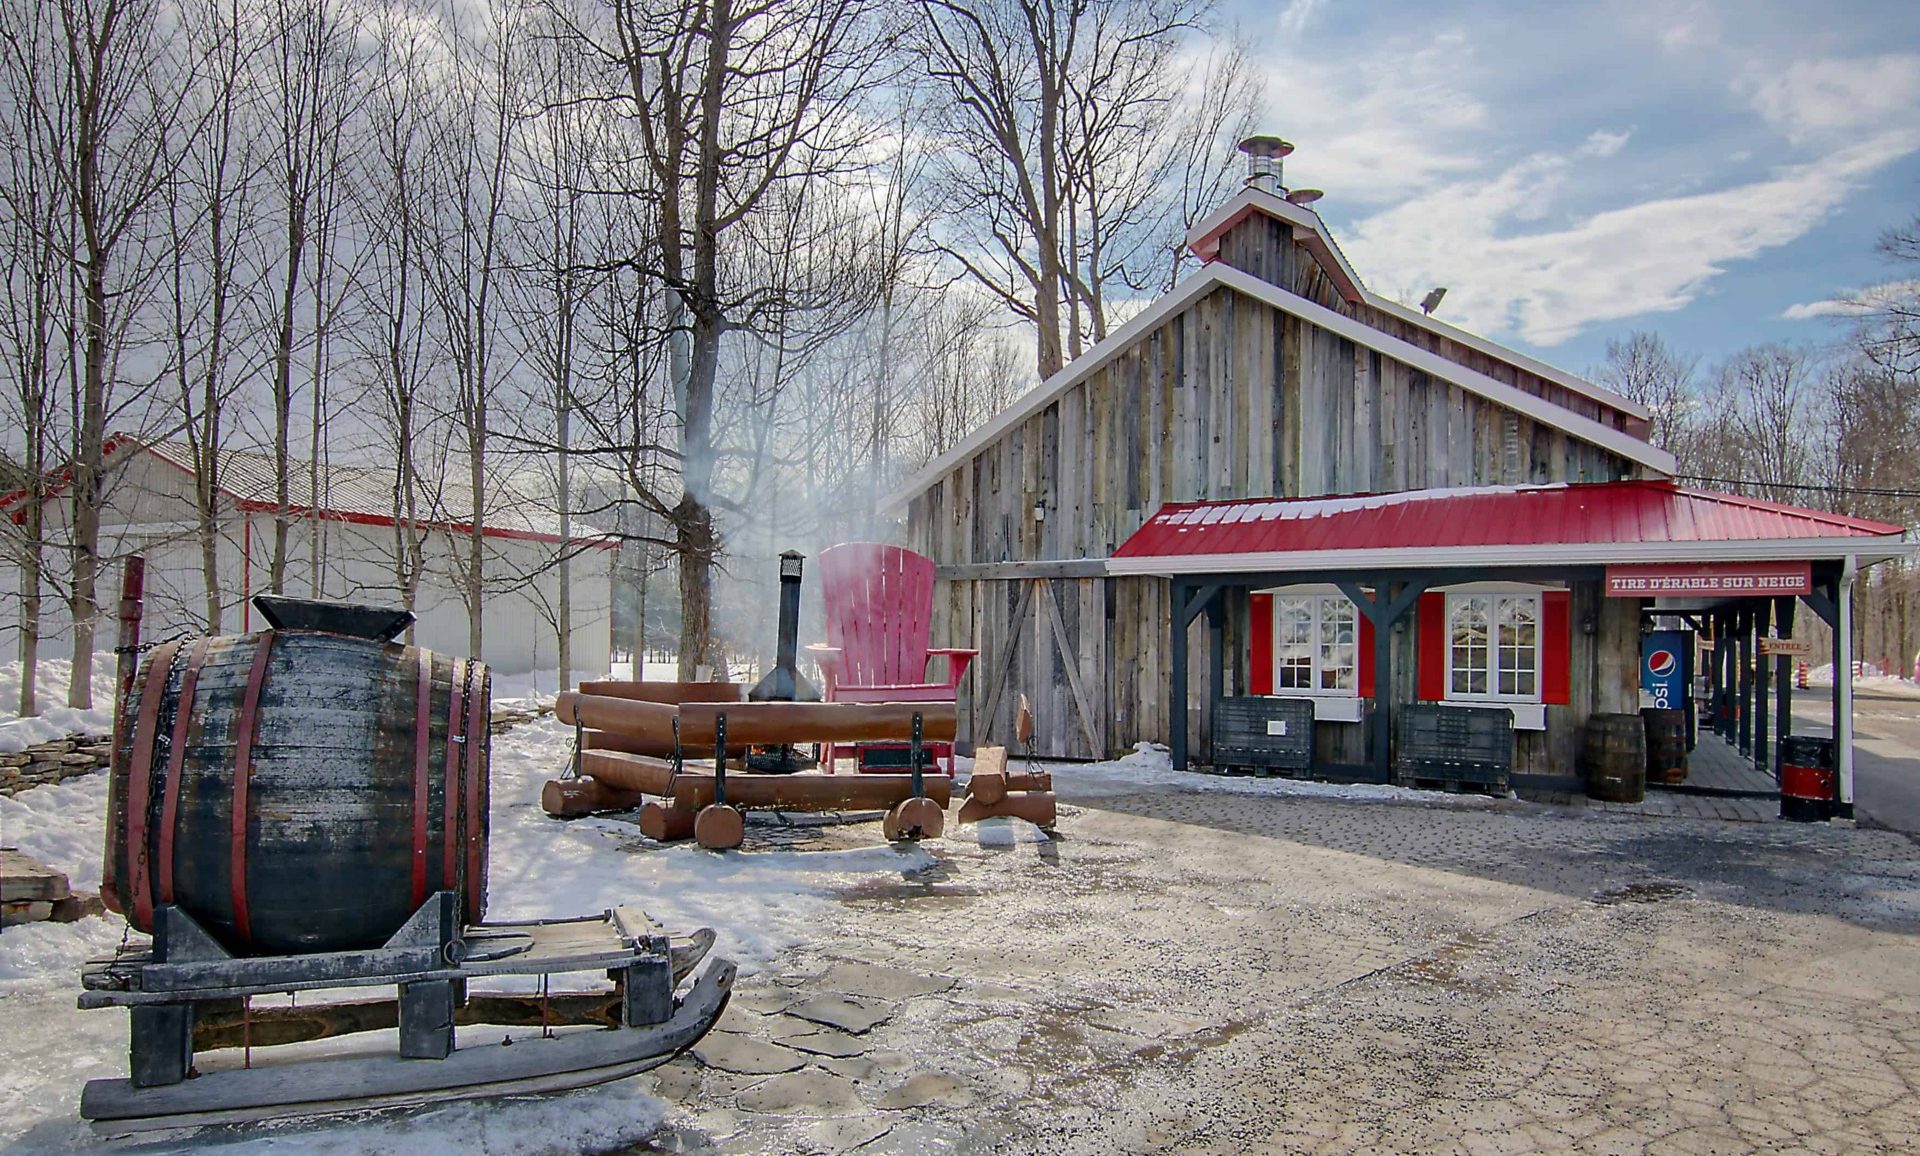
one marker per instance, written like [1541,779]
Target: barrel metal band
[422,744]
[475,823]
[176,763]
[242,773]
[450,793]
[140,782]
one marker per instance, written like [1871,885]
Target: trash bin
[1809,788]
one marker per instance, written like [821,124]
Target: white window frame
[1456,595]
[1336,704]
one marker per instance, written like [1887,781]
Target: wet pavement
[1204,972]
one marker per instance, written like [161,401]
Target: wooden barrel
[1666,744]
[1613,757]
[297,790]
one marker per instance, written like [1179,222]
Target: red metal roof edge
[1854,526]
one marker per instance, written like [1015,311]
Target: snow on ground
[55,720]
[1871,680]
[761,903]
[1149,768]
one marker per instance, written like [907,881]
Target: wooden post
[1216,660]
[1763,625]
[426,1019]
[1745,684]
[1843,691]
[1782,680]
[160,1047]
[1177,683]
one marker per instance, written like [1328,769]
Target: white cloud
[1853,304]
[1811,101]
[1294,20]
[1654,256]
[1604,143]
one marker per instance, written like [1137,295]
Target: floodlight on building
[1305,197]
[1433,298]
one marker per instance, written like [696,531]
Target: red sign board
[1710,579]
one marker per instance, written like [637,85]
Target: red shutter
[1260,644]
[1431,620]
[1366,657]
[1556,647]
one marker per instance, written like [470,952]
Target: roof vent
[1264,154]
[1304,197]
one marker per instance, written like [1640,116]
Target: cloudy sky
[1714,170]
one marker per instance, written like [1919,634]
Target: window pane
[1518,642]
[1338,648]
[1470,657]
[1293,643]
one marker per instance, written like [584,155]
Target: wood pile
[44,764]
[32,892]
[654,744]
[994,792]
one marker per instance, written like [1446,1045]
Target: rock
[22,878]
[876,981]
[16,759]
[77,759]
[859,1069]
[80,905]
[745,1056]
[823,1043]
[24,911]
[846,1135]
[847,1013]
[926,1089]
[819,1093]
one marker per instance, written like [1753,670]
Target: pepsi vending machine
[1666,674]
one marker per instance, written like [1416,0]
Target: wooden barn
[1342,499]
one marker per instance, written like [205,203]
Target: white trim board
[1217,276]
[1867,549]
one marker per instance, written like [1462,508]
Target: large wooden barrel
[1666,744]
[1613,757]
[299,790]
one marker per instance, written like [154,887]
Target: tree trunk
[30,578]
[694,547]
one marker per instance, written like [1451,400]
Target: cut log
[666,822]
[821,722]
[808,791]
[1029,781]
[625,772]
[988,782]
[1036,807]
[915,819]
[631,717]
[572,798]
[719,827]
[667,692]
[635,745]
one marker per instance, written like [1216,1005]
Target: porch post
[1782,680]
[1722,674]
[1177,684]
[1763,620]
[1216,662]
[1843,688]
[1389,604]
[1746,680]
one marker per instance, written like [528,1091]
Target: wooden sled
[184,994]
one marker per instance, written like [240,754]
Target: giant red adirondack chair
[879,604]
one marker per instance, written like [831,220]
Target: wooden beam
[1069,661]
[1012,571]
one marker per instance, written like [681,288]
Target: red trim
[450,793]
[242,773]
[1366,657]
[422,744]
[176,762]
[1260,648]
[476,742]
[1431,621]
[1556,647]
[140,783]
[360,518]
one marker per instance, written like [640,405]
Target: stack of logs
[994,792]
[639,743]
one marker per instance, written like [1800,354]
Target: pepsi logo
[1661,663]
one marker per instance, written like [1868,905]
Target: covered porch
[1531,599]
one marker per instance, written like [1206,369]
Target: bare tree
[1642,369]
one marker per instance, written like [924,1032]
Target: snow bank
[51,687]
[1149,769]
[760,903]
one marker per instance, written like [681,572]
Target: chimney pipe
[783,683]
[1264,154]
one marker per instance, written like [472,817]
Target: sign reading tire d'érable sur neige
[1713,579]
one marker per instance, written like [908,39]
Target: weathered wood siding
[1229,398]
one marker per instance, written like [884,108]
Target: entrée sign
[1710,579]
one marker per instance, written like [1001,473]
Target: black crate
[1454,746]
[1263,734]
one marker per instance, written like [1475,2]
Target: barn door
[1051,634]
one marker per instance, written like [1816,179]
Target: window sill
[1330,707]
[1527,716]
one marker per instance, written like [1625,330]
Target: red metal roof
[1578,523]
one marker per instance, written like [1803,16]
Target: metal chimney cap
[790,563]
[1266,145]
[1305,197]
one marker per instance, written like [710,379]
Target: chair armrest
[958,659]
[829,659]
